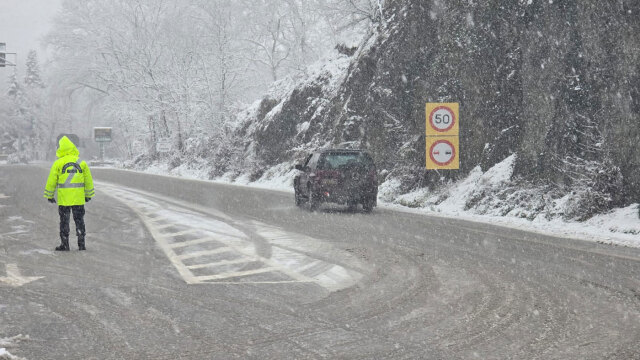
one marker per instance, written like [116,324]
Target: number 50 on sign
[443,119]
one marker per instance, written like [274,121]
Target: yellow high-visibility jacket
[72,179]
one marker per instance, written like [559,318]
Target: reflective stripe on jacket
[72,178]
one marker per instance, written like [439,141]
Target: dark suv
[337,176]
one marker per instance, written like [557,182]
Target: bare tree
[163,68]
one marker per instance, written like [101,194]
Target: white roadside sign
[102,134]
[163,145]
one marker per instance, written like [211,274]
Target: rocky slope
[555,82]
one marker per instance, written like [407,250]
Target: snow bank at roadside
[472,199]
[619,227]
[492,197]
[479,197]
[5,355]
[279,177]
[8,343]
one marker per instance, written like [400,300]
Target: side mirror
[299,167]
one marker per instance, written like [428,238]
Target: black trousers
[78,218]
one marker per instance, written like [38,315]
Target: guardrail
[101,163]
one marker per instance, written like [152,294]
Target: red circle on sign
[453,119]
[453,152]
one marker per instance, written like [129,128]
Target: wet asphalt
[326,284]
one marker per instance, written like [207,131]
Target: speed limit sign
[442,119]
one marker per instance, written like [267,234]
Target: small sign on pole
[102,134]
[163,145]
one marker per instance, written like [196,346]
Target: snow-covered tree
[32,77]
[14,88]
[20,117]
[181,65]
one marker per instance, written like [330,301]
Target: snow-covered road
[187,269]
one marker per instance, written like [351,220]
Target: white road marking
[178,233]
[192,242]
[292,249]
[196,254]
[290,254]
[309,265]
[164,226]
[15,279]
[237,274]
[3,196]
[223,263]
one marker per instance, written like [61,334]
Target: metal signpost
[3,56]
[102,135]
[443,142]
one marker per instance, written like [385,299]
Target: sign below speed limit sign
[442,119]
[442,153]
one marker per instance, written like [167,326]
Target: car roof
[342,150]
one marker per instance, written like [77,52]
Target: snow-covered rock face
[292,117]
[549,109]
[532,77]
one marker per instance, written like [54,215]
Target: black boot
[78,217]
[80,240]
[64,246]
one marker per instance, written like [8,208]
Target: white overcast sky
[22,24]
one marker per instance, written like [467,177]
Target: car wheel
[368,205]
[299,201]
[312,200]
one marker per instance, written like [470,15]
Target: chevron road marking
[212,249]
[196,254]
[223,262]
[192,242]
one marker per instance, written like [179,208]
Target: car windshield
[336,160]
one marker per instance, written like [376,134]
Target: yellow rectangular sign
[443,153]
[443,119]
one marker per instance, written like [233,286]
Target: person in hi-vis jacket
[73,180]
